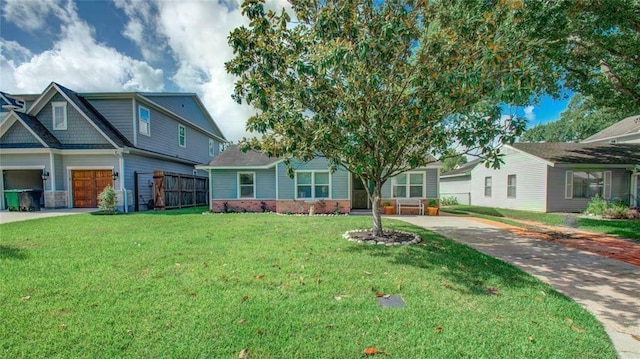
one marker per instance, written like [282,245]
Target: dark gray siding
[164,138]
[225,183]
[79,129]
[185,107]
[432,183]
[339,179]
[58,164]
[119,112]
[18,134]
[620,189]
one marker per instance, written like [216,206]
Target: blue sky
[133,45]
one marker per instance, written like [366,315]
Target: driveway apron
[608,288]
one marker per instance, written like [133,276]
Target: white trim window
[588,184]
[144,121]
[59,115]
[487,186]
[212,148]
[408,185]
[246,185]
[511,186]
[182,136]
[313,184]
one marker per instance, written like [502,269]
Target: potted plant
[388,208]
[432,208]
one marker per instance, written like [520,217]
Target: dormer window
[144,121]
[59,114]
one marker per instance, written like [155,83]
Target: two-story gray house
[71,145]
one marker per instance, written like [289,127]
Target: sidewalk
[608,288]
[8,216]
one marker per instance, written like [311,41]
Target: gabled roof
[10,101]
[463,169]
[233,158]
[39,130]
[583,153]
[94,116]
[628,126]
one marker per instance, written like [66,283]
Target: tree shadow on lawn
[623,228]
[462,268]
[11,252]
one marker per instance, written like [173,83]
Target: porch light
[114,175]
[44,175]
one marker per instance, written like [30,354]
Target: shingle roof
[583,153]
[463,169]
[39,129]
[234,157]
[12,101]
[627,126]
[105,126]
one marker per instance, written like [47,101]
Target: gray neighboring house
[557,177]
[71,145]
[249,181]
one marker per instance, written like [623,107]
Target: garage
[22,179]
[87,185]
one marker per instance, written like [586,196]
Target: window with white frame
[587,184]
[144,121]
[212,148]
[59,114]
[182,136]
[246,185]
[408,185]
[487,186]
[511,186]
[313,184]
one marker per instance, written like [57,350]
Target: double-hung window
[144,121]
[182,136]
[313,184]
[487,186]
[59,114]
[246,185]
[511,186]
[408,185]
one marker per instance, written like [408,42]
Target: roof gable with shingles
[34,126]
[628,126]
[234,157]
[463,169]
[583,153]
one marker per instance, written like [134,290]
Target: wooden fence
[172,190]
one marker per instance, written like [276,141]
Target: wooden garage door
[87,185]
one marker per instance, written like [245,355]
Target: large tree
[381,88]
[582,118]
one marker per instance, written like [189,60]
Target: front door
[87,185]
[359,197]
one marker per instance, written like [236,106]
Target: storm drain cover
[391,301]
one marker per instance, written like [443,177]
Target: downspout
[125,197]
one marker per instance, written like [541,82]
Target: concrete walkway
[8,216]
[608,288]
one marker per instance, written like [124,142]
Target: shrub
[617,210]
[597,206]
[449,201]
[107,200]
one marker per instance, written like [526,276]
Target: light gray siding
[119,112]
[531,183]
[339,179]
[18,134]
[164,138]
[620,189]
[26,159]
[458,187]
[79,130]
[225,184]
[58,164]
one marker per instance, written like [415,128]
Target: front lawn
[624,228]
[186,285]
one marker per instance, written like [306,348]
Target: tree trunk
[375,205]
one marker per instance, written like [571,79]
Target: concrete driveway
[8,216]
[608,288]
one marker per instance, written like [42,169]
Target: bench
[409,203]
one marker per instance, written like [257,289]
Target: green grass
[182,284]
[624,228]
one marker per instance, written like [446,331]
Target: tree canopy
[582,118]
[384,87]
[451,160]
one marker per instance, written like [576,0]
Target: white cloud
[29,15]
[76,60]
[529,114]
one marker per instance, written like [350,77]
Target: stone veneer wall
[57,199]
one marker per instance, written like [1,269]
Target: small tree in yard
[107,200]
[381,88]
